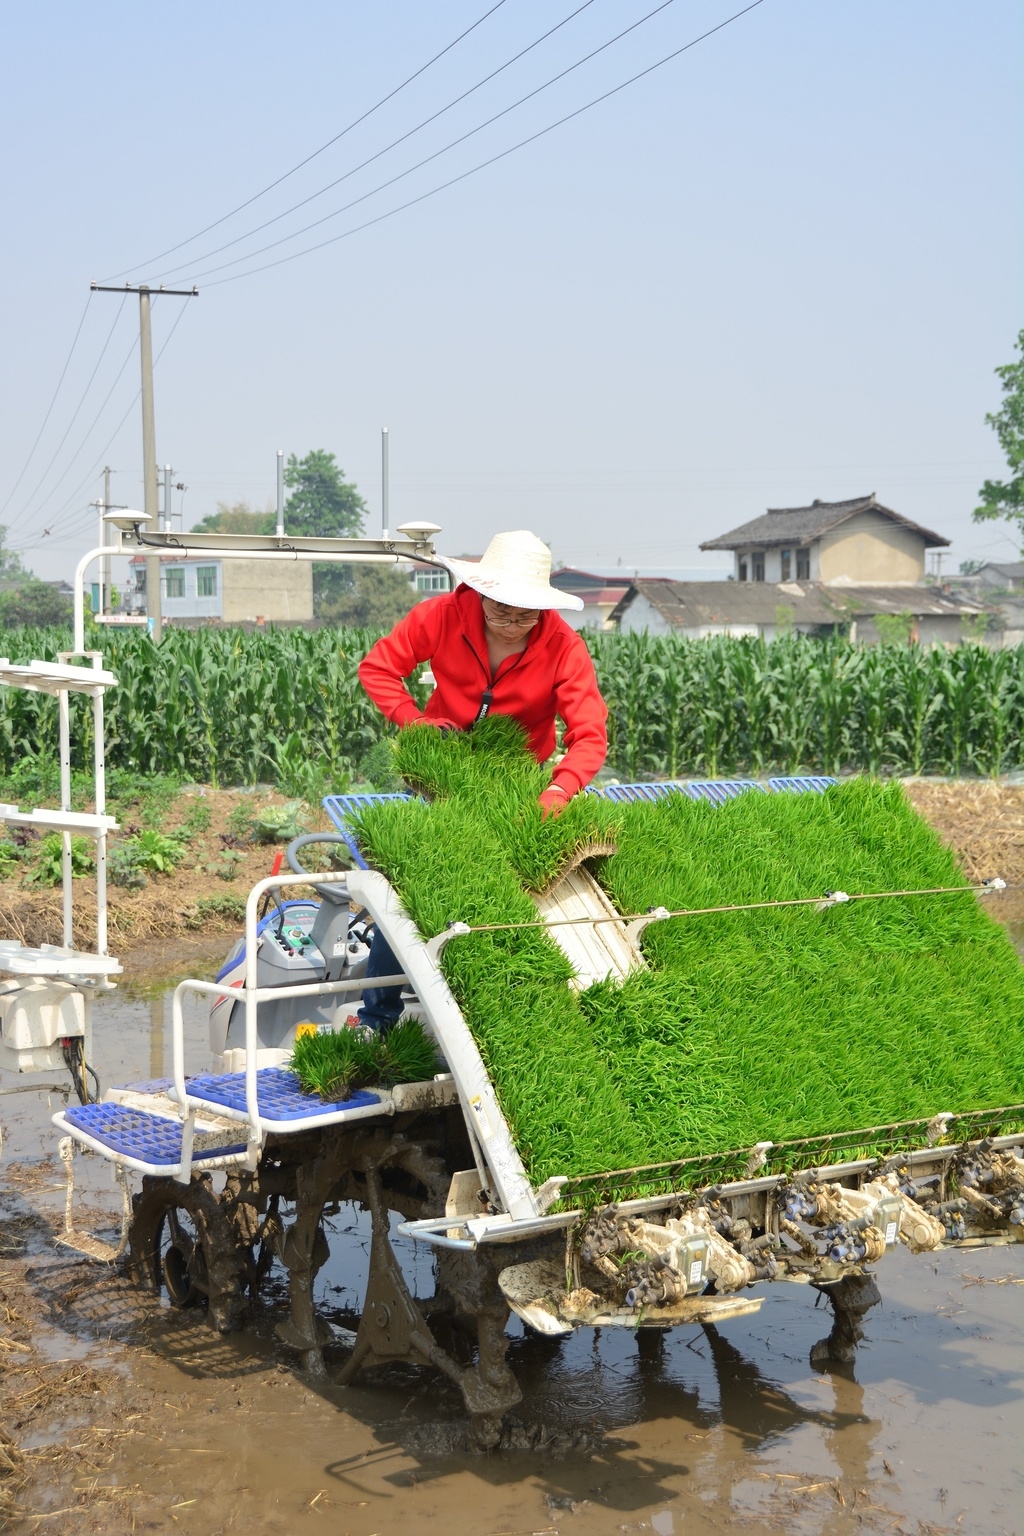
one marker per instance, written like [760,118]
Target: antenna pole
[384,490]
[280,493]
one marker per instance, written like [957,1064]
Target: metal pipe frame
[249,547]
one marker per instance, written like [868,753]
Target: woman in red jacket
[495,645]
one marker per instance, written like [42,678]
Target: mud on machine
[440,1155]
[239,1168]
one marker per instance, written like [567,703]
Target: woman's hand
[553,801]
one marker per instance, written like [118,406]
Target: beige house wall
[267,589]
[869,548]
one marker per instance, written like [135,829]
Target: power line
[394,144]
[49,408]
[74,417]
[354,124]
[89,430]
[57,516]
[454,180]
[470,133]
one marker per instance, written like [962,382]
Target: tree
[33,602]
[11,569]
[380,595]
[1005,498]
[237,518]
[323,504]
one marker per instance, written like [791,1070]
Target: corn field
[233,707]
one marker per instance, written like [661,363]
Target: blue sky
[782,266]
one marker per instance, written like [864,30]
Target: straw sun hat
[515,569]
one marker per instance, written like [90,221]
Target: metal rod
[384,487]
[100,772]
[748,906]
[280,493]
[165,516]
[64,716]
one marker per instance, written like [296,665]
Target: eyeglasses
[505,618]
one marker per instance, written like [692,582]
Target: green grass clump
[334,1063]
[746,1026]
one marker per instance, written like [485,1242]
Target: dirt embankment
[205,894]
[982,820]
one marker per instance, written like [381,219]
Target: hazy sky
[784,265]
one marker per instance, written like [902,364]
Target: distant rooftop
[796,526]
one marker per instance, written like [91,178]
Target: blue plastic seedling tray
[717,791]
[283,1106]
[154,1140]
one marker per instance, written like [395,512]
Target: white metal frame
[62,678]
[415,544]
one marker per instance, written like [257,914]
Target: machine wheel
[182,1261]
[181,1241]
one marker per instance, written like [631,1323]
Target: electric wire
[483,164]
[88,433]
[452,144]
[354,124]
[216,251]
[74,417]
[58,519]
[49,408]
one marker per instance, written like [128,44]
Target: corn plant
[230,707]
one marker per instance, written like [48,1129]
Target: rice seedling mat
[778,1025]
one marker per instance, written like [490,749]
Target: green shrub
[48,866]
[227,906]
[279,823]
[125,867]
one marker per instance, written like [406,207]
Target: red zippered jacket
[553,676]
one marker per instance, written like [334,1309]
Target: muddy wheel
[182,1261]
[181,1241]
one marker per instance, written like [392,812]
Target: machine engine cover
[35,1015]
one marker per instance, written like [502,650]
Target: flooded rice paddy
[165,1425]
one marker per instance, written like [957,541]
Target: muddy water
[698,1431]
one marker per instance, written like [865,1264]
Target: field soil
[119,1414]
[158,923]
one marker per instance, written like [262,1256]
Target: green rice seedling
[744,1026]
[333,1063]
[406,1054]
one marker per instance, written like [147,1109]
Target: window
[784,565]
[803,565]
[757,565]
[432,581]
[174,583]
[743,570]
[206,581]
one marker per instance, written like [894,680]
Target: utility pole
[149,480]
[280,493]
